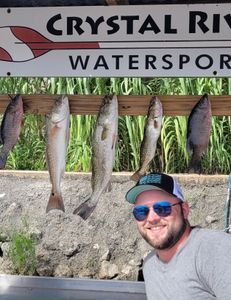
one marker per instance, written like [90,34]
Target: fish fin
[55,202]
[136,176]
[54,131]
[3,159]
[105,131]
[84,210]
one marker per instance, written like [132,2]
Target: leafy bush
[22,251]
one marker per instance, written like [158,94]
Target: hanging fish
[151,134]
[57,132]
[10,127]
[198,132]
[103,153]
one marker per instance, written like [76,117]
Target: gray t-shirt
[200,270]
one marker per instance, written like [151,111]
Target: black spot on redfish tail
[84,210]
[55,202]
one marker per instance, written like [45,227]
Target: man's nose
[153,216]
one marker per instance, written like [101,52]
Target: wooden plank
[128,105]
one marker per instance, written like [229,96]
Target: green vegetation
[171,155]
[22,251]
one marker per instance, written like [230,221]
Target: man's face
[162,232]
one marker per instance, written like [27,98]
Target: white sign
[140,41]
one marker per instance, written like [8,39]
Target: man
[187,263]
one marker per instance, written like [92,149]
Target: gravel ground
[107,245]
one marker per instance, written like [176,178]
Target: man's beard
[171,239]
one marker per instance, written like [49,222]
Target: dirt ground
[107,245]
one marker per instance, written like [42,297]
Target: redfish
[57,130]
[198,132]
[152,131]
[103,153]
[10,127]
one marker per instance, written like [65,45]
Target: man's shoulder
[209,233]
[206,237]
[149,256]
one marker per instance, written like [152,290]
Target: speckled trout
[10,127]
[151,134]
[198,132]
[103,153]
[57,131]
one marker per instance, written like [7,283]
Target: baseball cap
[155,181]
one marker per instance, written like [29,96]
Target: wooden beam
[128,105]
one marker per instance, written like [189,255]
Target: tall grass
[171,154]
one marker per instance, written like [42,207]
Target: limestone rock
[63,270]
[108,270]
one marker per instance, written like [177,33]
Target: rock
[35,233]
[210,219]
[44,270]
[5,249]
[128,273]
[13,208]
[86,273]
[63,270]
[69,249]
[44,266]
[135,262]
[6,266]
[106,256]
[126,270]
[4,237]
[108,270]
[96,246]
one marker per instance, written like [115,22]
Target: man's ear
[185,209]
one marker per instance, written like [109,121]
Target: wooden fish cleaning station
[18,287]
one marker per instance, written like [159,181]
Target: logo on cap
[150,178]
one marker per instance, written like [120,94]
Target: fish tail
[55,202]
[85,209]
[3,159]
[136,176]
[195,166]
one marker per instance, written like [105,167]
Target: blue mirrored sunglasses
[162,209]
